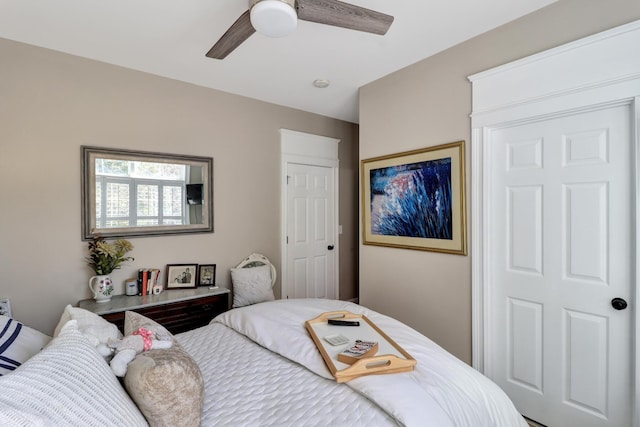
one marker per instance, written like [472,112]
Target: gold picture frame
[416,199]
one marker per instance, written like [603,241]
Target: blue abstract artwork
[412,200]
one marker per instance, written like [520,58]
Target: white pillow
[96,329]
[251,285]
[66,384]
[18,343]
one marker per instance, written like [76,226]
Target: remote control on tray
[338,322]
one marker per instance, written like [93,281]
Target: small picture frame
[207,275]
[181,276]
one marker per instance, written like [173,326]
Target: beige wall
[429,104]
[51,103]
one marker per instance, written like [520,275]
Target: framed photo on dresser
[207,275]
[181,275]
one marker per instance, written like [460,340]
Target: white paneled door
[310,232]
[560,266]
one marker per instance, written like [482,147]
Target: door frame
[313,150]
[580,83]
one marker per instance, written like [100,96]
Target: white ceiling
[170,38]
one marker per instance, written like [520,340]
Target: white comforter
[441,391]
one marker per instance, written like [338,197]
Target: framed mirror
[127,193]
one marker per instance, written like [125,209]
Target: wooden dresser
[178,310]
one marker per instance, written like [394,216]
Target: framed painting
[181,275]
[416,200]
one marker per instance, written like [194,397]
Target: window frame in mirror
[88,192]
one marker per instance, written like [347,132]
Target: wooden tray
[391,358]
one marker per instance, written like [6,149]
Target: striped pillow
[18,343]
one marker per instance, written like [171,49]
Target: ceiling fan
[278,18]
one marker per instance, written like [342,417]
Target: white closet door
[560,251]
[310,232]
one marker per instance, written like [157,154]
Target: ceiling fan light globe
[273,18]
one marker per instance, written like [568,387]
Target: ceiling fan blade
[345,15]
[235,35]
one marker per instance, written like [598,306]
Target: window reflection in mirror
[132,193]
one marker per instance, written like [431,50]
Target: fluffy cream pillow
[66,384]
[167,385]
[97,330]
[18,343]
[251,285]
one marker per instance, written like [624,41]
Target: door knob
[330,247]
[618,303]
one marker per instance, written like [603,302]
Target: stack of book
[147,279]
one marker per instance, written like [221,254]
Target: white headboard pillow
[253,280]
[251,285]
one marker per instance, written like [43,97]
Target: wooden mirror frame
[88,184]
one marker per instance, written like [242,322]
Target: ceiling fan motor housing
[273,18]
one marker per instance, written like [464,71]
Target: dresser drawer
[179,316]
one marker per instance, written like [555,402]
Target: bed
[258,367]
[269,372]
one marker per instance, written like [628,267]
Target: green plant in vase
[103,258]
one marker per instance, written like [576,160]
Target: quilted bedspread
[248,385]
[262,368]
